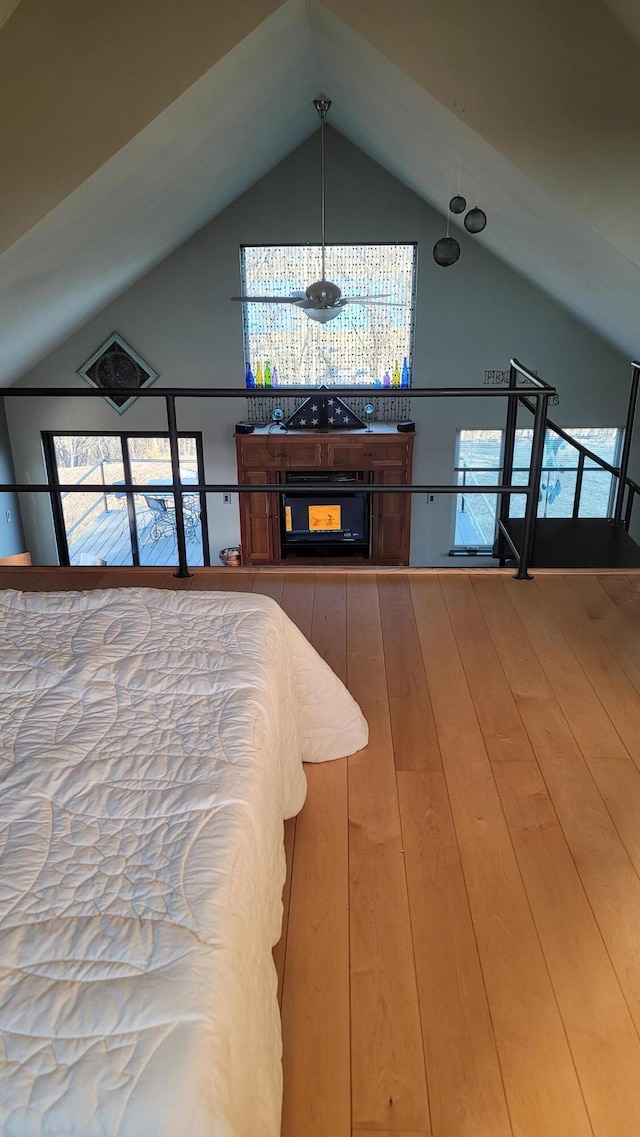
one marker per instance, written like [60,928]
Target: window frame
[328,246]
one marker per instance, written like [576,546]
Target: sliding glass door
[113,528]
[155,516]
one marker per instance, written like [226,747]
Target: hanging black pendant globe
[446,251]
[458,204]
[475,220]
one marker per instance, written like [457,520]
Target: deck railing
[103,497]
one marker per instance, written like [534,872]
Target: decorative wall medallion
[115,364]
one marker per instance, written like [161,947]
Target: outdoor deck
[467,532]
[108,538]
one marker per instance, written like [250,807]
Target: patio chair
[191,513]
[163,520]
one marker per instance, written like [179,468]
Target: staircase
[571,542]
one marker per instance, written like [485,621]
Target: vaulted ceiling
[128,124]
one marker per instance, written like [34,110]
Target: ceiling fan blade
[267,299]
[371,300]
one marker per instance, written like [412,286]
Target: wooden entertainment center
[379,456]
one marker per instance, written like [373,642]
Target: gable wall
[469,318]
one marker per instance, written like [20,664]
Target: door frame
[55,495]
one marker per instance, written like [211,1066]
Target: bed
[151,745]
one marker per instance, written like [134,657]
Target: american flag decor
[324,411]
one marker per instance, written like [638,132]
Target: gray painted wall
[11,537]
[471,317]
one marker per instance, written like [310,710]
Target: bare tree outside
[366,345]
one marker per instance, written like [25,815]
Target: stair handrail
[625,483]
[584,450]
[626,450]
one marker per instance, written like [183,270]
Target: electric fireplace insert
[323,523]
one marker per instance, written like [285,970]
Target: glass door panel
[114,528]
[95,525]
[150,462]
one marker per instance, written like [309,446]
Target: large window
[479,462]
[367,344]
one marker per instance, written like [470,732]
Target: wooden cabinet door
[259,532]
[300,453]
[348,454]
[262,452]
[390,520]
[390,451]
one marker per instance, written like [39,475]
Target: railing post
[626,446]
[535,475]
[104,496]
[130,505]
[183,569]
[629,510]
[579,476]
[507,461]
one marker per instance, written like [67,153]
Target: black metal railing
[625,485]
[464,471]
[537,391]
[523,555]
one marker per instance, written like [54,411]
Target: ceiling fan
[321,301]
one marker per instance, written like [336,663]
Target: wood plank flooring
[461,944]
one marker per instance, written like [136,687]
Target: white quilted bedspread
[150,747]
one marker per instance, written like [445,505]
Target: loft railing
[537,390]
[626,484]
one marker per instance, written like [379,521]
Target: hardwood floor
[461,944]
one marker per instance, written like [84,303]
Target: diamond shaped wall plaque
[116,364]
[324,411]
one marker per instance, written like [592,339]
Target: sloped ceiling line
[239,120]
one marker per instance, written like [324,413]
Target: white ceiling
[6,8]
[628,14]
[240,119]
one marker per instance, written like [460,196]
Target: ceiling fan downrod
[323,291]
